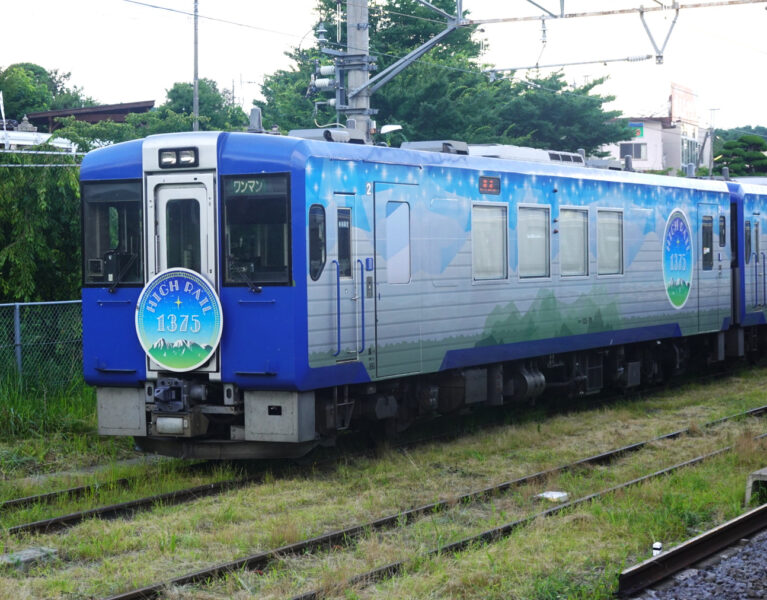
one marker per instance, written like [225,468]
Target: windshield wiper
[122,273]
[243,271]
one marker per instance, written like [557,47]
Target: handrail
[338,307]
[362,296]
[756,279]
[764,277]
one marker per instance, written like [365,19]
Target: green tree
[729,135]
[445,95]
[39,229]
[745,156]
[219,108]
[22,92]
[88,136]
[217,112]
[28,87]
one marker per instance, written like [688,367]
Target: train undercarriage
[194,418]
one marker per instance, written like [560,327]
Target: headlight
[178,157]
[168,158]
[187,157]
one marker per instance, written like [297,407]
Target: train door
[755,262]
[353,245]
[711,267]
[181,229]
[397,303]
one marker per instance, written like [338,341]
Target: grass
[575,555]
[26,410]
[146,479]
[46,430]
[580,554]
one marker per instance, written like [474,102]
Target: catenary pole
[196,94]
[358,43]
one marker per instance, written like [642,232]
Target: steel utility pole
[358,43]
[196,93]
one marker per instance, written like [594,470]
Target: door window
[316,241]
[182,234]
[398,242]
[345,241]
[707,238]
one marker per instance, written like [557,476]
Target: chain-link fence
[41,342]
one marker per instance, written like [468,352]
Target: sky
[126,51]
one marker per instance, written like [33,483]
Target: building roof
[665,122]
[91,114]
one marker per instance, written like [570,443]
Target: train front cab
[221,230]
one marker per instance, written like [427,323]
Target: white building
[26,135]
[668,142]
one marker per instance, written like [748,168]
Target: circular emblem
[179,320]
[677,259]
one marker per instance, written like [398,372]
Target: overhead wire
[207,18]
[393,56]
[12,166]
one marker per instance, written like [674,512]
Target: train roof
[123,160]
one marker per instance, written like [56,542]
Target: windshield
[112,233]
[257,230]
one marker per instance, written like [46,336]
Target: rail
[653,570]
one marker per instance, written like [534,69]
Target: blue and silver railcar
[251,295]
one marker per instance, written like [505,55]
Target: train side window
[707,239]
[398,242]
[317,249]
[609,242]
[345,241]
[747,240]
[533,230]
[722,231]
[112,233]
[489,227]
[573,242]
[257,229]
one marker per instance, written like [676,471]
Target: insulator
[327,70]
[325,83]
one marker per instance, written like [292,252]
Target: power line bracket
[659,51]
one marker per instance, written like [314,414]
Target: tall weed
[28,411]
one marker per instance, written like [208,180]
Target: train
[248,295]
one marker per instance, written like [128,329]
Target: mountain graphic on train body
[180,349]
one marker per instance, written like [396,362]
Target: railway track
[640,577]
[497,533]
[346,536]
[176,497]
[91,489]
[189,494]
